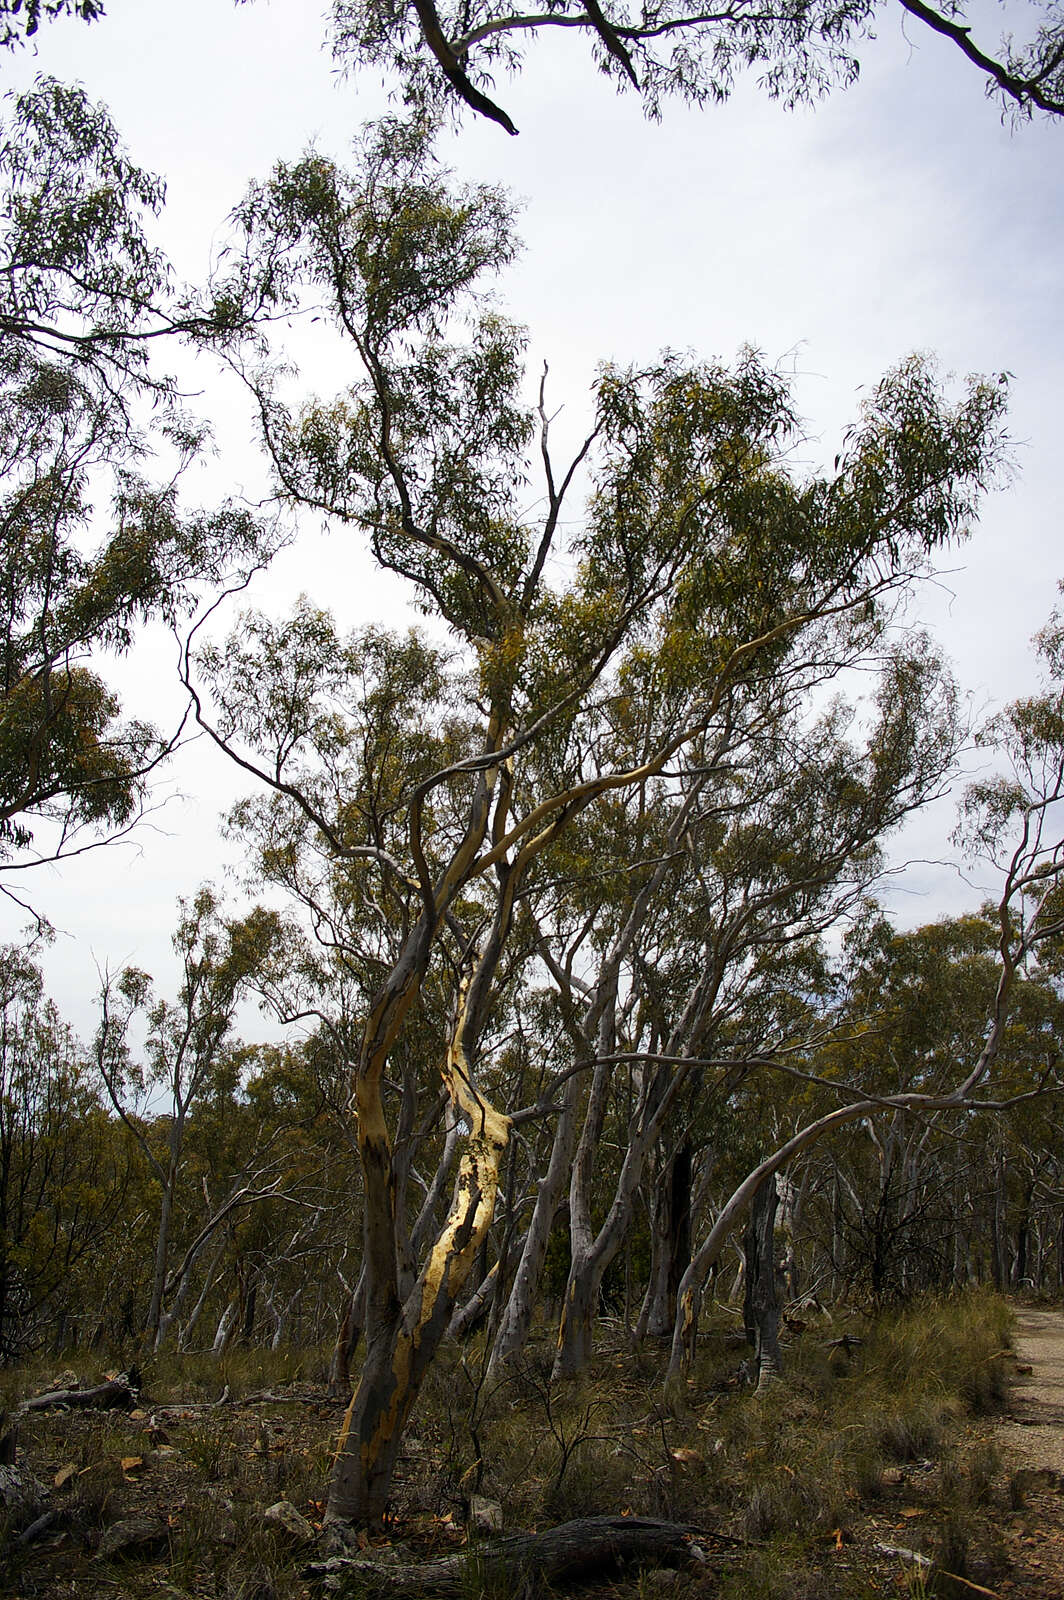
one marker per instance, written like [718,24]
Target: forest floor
[842,1484]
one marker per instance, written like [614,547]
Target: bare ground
[1031,1436]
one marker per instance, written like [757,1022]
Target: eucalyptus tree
[84,297]
[188,1060]
[265,1272]
[20,19]
[1015,823]
[62,1178]
[699,551]
[800,50]
[767,835]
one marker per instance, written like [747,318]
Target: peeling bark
[403,1340]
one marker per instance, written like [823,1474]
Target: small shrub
[205,1447]
[968,1475]
[866,1465]
[913,1432]
[952,1552]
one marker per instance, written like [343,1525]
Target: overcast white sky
[898,216]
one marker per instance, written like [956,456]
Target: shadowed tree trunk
[761,1300]
[347,1337]
[670,1245]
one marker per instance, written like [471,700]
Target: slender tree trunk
[516,1320]
[476,1307]
[155,1331]
[592,1255]
[761,1302]
[999,1235]
[670,1245]
[223,1332]
[1023,1233]
[403,1338]
[347,1337]
[1039,1255]
[401,1348]
[189,1327]
[654,1310]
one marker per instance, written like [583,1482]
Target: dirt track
[1034,1431]
[1031,1436]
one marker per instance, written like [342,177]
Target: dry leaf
[65,1474]
[132,1464]
[911,1511]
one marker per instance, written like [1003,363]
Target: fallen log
[117,1394]
[590,1547]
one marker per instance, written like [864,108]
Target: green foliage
[799,51]
[80,275]
[63,1171]
[81,288]
[20,19]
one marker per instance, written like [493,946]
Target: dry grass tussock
[794,1477]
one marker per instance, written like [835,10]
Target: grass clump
[954,1346]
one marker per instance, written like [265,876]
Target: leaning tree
[702,565]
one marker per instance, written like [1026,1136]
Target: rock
[892,1477]
[485,1516]
[284,1518]
[134,1537]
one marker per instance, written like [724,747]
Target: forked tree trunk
[593,1253]
[403,1339]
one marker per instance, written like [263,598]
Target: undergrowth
[863,1406]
